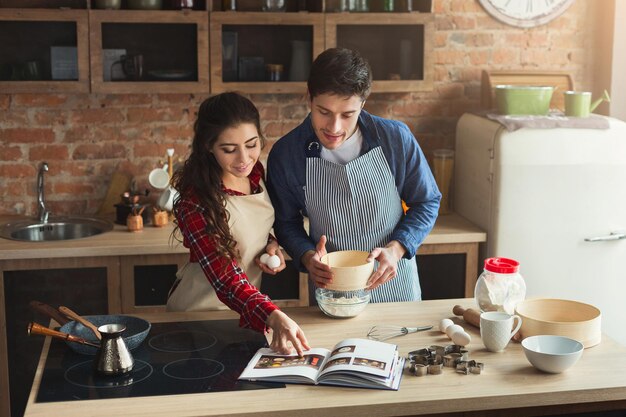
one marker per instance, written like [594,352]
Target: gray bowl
[136,331]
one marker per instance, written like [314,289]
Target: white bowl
[341,304]
[552,354]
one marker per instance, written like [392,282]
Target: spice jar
[500,286]
[274,72]
[159,217]
[134,221]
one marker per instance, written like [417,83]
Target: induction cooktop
[176,358]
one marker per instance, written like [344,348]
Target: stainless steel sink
[56,228]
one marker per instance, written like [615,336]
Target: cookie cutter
[451,360]
[435,368]
[432,359]
[418,369]
[467,367]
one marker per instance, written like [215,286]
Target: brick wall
[86,137]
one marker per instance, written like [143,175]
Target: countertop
[450,228]
[507,382]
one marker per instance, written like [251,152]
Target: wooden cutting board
[120,183]
[562,81]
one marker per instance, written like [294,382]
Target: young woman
[225,215]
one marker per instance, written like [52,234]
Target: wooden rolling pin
[470,315]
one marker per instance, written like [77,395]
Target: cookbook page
[363,356]
[267,364]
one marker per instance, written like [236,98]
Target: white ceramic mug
[159,178]
[495,329]
[166,200]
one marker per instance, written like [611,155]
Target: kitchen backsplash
[86,137]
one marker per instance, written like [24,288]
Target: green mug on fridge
[578,103]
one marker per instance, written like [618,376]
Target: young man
[348,172]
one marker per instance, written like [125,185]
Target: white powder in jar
[500,292]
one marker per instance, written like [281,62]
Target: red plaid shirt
[229,280]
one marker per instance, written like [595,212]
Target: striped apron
[357,207]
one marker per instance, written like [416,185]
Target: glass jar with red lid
[500,286]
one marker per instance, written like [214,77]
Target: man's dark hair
[341,72]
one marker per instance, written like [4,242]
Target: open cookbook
[352,363]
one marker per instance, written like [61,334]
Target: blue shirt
[286,182]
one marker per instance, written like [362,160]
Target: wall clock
[525,13]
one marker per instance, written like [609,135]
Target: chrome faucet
[43,213]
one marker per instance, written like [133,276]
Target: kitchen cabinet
[398,46]
[44,50]
[134,51]
[243,43]
[88,286]
[207,49]
[146,280]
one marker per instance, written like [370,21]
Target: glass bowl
[341,304]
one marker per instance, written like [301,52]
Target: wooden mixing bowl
[573,319]
[350,270]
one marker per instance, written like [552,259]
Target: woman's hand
[286,334]
[319,272]
[387,258]
[272,248]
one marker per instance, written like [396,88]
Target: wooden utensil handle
[36,328]
[48,311]
[470,315]
[74,316]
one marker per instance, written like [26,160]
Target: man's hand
[387,258]
[319,272]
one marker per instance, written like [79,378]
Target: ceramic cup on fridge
[577,103]
[496,329]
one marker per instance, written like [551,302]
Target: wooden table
[509,385]
[452,234]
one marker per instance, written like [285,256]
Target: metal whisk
[382,333]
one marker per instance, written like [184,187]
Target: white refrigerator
[555,200]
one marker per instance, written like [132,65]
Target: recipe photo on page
[351,362]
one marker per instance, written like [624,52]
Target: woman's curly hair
[201,175]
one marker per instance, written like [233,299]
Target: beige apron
[251,218]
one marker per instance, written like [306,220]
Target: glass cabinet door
[156,51]
[261,52]
[44,51]
[398,46]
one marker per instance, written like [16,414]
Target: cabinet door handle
[613,236]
